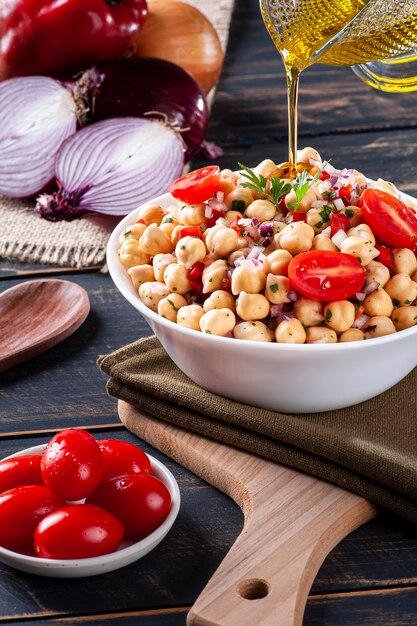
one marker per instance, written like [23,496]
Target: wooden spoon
[36,315]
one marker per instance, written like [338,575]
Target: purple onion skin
[133,87]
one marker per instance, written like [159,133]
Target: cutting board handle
[292,521]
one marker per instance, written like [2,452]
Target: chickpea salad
[325,257]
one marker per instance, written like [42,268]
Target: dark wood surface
[371,577]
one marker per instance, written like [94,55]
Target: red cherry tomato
[79,531]
[20,470]
[140,502]
[72,464]
[326,275]
[196,186]
[122,457]
[21,509]
[338,221]
[391,221]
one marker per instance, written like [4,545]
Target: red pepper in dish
[57,38]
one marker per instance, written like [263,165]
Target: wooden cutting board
[292,521]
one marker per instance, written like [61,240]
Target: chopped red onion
[360,321]
[208,211]
[324,186]
[266,229]
[239,260]
[333,180]
[255,221]
[339,237]
[363,234]
[112,167]
[360,295]
[293,296]
[279,313]
[221,221]
[220,196]
[255,252]
[373,286]
[36,115]
[266,242]
[326,231]
[339,204]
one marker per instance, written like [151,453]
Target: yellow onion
[178,32]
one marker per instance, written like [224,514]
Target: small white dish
[126,554]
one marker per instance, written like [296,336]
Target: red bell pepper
[53,38]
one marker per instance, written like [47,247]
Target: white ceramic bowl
[283,377]
[126,554]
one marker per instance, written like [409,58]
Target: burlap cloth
[26,237]
[370,448]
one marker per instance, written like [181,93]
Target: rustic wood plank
[251,96]
[169,617]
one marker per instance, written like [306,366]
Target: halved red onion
[112,167]
[135,87]
[36,115]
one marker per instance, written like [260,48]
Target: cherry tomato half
[20,470]
[196,186]
[72,464]
[79,531]
[21,509]
[326,275]
[391,221]
[122,457]
[140,502]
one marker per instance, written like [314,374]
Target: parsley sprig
[279,186]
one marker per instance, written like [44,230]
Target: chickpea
[155,241]
[377,271]
[267,168]
[232,215]
[192,214]
[378,303]
[213,276]
[378,326]
[252,306]
[296,237]
[190,316]
[320,334]
[401,289]
[152,293]
[176,278]
[339,315]
[218,322]
[160,262]
[168,224]
[175,234]
[277,262]
[277,288]
[221,240]
[131,254]
[168,307]
[362,249]
[249,277]
[387,186]
[278,226]
[151,214]
[290,331]
[238,199]
[237,254]
[323,242]
[253,331]
[352,334]
[315,220]
[134,231]
[304,155]
[362,228]
[305,204]
[228,181]
[263,210]
[309,312]
[354,213]
[220,300]
[141,274]
[405,261]
[189,250]
[404,317]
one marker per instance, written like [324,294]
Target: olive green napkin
[370,448]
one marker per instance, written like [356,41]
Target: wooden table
[368,579]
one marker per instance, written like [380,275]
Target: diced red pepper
[239,228]
[345,192]
[196,271]
[216,213]
[227,284]
[385,257]
[359,309]
[324,175]
[282,206]
[338,221]
[190,231]
[298,216]
[197,286]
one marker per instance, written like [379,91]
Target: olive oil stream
[338,32]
